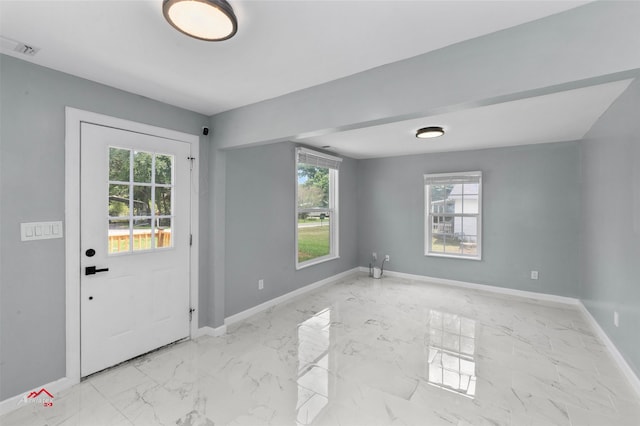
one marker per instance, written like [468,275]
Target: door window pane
[142,234]
[119,164]
[163,201]
[118,200]
[164,169]
[142,200]
[119,237]
[142,164]
[163,233]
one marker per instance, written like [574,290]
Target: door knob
[91,270]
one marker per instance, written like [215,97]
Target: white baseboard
[285,297]
[54,388]
[628,372]
[493,289]
[210,331]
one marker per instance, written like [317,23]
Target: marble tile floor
[367,352]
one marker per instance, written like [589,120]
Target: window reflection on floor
[313,365]
[451,356]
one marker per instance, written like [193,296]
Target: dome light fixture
[430,132]
[208,20]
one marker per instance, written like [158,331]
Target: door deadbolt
[90,253]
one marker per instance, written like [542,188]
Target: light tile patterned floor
[367,352]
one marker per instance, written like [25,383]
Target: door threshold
[120,364]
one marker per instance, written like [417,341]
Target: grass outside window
[313,241]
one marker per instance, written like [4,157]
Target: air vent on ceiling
[26,49]
[18,46]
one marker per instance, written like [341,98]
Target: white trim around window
[321,160]
[453,215]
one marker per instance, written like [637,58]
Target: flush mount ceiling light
[430,132]
[209,20]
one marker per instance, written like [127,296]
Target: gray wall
[611,226]
[530,216]
[260,226]
[216,260]
[32,274]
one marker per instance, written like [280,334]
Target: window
[316,207]
[453,210]
[140,200]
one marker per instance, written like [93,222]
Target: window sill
[453,256]
[316,261]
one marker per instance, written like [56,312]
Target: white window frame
[334,213]
[153,217]
[459,177]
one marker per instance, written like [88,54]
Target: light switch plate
[32,231]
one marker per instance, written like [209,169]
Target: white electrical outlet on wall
[260,284]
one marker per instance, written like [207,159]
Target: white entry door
[135,237]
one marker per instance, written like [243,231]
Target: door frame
[73,118]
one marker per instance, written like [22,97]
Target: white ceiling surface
[558,117]
[281,46]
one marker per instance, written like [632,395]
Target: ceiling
[281,46]
[285,46]
[563,116]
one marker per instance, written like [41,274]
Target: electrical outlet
[374,255]
[616,319]
[534,275]
[387,258]
[260,284]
